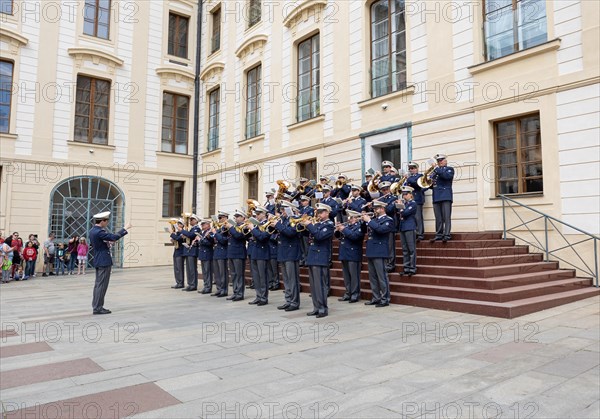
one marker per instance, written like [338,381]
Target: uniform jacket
[192,250]
[288,244]
[261,244]
[307,210]
[319,249]
[418,194]
[406,217]
[99,239]
[378,236]
[351,242]
[442,184]
[206,246]
[357,204]
[177,237]
[334,207]
[343,192]
[237,245]
[221,243]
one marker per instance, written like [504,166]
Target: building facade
[509,90]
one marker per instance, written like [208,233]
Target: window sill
[180,61]
[167,154]
[515,56]
[252,139]
[253,27]
[97,40]
[91,145]
[213,54]
[313,120]
[520,196]
[409,91]
[8,136]
[211,153]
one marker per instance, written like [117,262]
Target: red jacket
[29,253]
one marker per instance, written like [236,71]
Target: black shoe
[262,303]
[353,301]
[411,273]
[231,298]
[102,311]
[344,299]
[223,294]
[254,302]
[382,305]
[283,307]
[175,287]
[290,308]
[437,239]
[44,274]
[312,313]
[52,274]
[237,299]
[204,292]
[320,315]
[445,239]
[372,303]
[189,289]
[215,294]
[274,287]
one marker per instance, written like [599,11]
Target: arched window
[74,201]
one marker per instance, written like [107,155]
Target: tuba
[426,180]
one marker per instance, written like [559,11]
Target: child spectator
[72,252]
[60,258]
[33,238]
[19,274]
[30,256]
[82,251]
[6,256]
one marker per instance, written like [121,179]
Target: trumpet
[297,222]
[244,228]
[269,226]
[340,183]
[426,181]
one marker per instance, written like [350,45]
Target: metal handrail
[544,246]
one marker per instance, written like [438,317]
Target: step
[462,261]
[473,252]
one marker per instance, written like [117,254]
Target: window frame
[254,19]
[317,112]
[305,168]
[92,106]
[252,185]
[217,105]
[12,8]
[258,98]
[9,91]
[97,8]
[392,31]
[175,43]
[211,193]
[173,129]
[515,29]
[215,33]
[171,204]
[520,163]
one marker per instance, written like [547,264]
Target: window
[175,123]
[513,25]
[388,47]
[178,35]
[216,31]
[308,169]
[519,155]
[6,7]
[252,185]
[213,119]
[391,153]
[308,79]
[6,89]
[253,96]
[255,12]
[172,198]
[211,187]
[96,18]
[91,110]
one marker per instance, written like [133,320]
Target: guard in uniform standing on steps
[319,255]
[101,240]
[190,252]
[378,232]
[178,264]
[236,254]
[418,196]
[221,270]
[407,225]
[260,258]
[351,238]
[206,247]
[442,178]
[289,253]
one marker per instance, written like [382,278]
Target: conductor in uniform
[317,261]
[100,241]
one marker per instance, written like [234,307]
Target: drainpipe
[197,106]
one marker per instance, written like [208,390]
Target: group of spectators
[19,260]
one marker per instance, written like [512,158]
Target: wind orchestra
[296,226]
